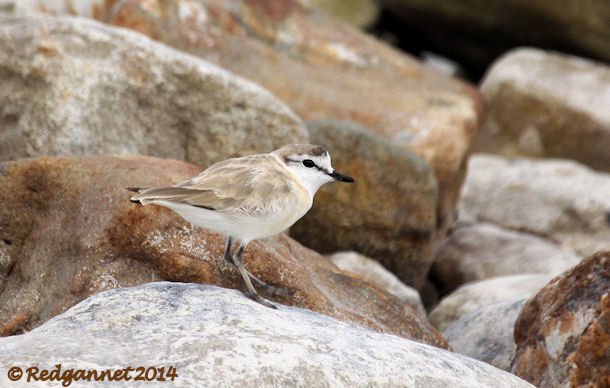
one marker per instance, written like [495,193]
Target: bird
[249,198]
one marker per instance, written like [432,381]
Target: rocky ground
[474,249]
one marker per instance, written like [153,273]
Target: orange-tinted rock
[563,333]
[68,230]
[323,68]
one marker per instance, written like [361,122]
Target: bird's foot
[275,291]
[260,300]
[266,288]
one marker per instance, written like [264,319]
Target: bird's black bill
[340,177]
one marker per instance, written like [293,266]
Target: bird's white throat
[311,178]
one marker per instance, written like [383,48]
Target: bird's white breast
[243,225]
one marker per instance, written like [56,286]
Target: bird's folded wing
[206,199]
[244,184]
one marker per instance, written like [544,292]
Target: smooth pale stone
[475,295]
[218,337]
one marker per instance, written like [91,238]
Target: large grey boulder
[475,295]
[217,337]
[546,104]
[482,251]
[72,86]
[561,200]
[487,334]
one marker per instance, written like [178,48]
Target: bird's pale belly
[240,226]
[252,228]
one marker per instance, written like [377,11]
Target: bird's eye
[308,163]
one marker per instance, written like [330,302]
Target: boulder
[323,68]
[559,200]
[374,273]
[563,333]
[482,251]
[215,337]
[487,334]
[71,86]
[475,295]
[389,214]
[545,104]
[68,231]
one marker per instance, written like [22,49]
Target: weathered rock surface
[473,296]
[68,230]
[389,214]
[563,333]
[375,273]
[75,86]
[487,334]
[217,337]
[556,199]
[476,31]
[324,69]
[544,104]
[89,8]
[482,251]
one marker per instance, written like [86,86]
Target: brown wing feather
[175,194]
[244,184]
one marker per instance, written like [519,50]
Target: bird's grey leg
[228,257]
[252,294]
[272,290]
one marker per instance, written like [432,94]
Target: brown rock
[68,230]
[74,86]
[544,104]
[323,68]
[389,214]
[563,333]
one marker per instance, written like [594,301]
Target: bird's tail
[136,190]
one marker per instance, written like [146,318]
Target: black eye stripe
[314,165]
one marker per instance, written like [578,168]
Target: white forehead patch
[323,162]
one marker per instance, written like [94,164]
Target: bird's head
[311,164]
